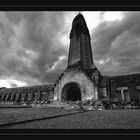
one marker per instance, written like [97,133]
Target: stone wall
[27,94]
[130,81]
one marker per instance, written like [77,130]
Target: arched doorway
[71,92]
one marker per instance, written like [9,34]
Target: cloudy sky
[34,45]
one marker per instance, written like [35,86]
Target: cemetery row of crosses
[81,82]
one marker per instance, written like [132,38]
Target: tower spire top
[80,52]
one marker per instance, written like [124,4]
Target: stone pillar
[43,96]
[95,92]
[23,96]
[122,93]
[2,97]
[37,96]
[59,95]
[55,94]
[11,97]
[6,97]
[29,98]
[17,96]
[57,89]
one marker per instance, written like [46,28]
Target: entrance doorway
[71,92]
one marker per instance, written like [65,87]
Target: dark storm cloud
[118,41]
[40,37]
[107,32]
[32,50]
[45,40]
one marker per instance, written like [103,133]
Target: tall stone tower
[80,80]
[80,53]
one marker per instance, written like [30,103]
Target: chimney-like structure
[80,52]
[80,80]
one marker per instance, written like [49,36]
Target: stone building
[81,80]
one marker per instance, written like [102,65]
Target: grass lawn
[107,119]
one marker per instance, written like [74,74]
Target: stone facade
[87,88]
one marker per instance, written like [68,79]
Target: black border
[69,2]
[67,7]
[70,131]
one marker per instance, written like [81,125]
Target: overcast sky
[34,45]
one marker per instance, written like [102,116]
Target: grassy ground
[10,116]
[107,119]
